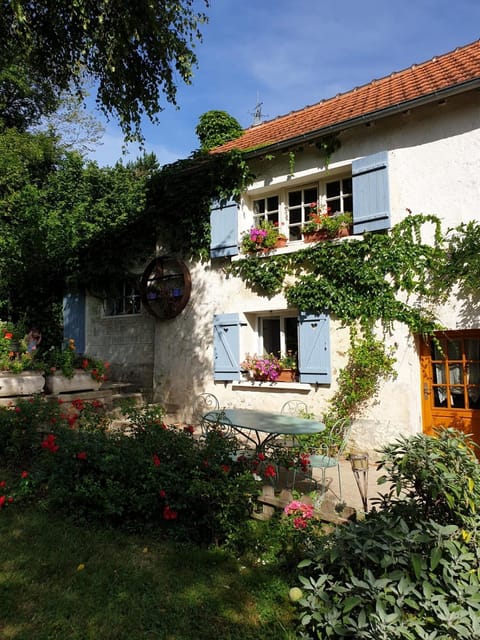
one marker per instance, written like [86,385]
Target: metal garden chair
[328,453]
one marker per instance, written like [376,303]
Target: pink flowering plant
[266,367]
[260,237]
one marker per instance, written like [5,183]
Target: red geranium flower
[3,483]
[156,460]
[169,514]
[82,455]
[24,474]
[2,501]
[8,335]
[162,494]
[225,468]
[270,471]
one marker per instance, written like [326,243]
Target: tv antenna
[257,114]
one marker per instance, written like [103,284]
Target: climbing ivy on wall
[360,280]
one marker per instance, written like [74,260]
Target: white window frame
[281,214]
[130,298]
[282,317]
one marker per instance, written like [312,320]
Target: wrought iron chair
[328,453]
[294,408]
[202,404]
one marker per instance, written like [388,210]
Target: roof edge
[366,117]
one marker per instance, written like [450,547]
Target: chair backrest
[335,438]
[294,408]
[202,404]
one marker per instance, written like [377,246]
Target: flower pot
[81,381]
[343,232]
[25,383]
[315,236]
[280,243]
[287,375]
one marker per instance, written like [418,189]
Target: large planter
[26,383]
[81,381]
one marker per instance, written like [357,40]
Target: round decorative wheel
[165,287]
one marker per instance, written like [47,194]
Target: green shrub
[150,476]
[411,569]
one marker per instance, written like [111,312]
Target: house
[409,141]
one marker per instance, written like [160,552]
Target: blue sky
[291,53]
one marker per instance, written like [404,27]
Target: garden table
[261,427]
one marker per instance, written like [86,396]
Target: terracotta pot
[315,236]
[343,232]
[287,375]
[280,243]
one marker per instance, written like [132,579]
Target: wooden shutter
[74,319]
[371,200]
[314,348]
[224,231]
[226,346]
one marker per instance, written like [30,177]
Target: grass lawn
[66,582]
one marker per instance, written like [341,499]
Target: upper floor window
[127,303]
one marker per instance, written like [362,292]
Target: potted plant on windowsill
[264,368]
[289,371]
[69,371]
[325,225]
[262,238]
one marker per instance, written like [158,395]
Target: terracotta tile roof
[428,80]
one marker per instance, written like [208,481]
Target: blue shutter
[314,348]
[224,231]
[226,346]
[74,319]
[371,200]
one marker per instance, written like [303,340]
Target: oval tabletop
[265,421]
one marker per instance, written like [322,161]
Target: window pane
[454,350]
[472,349]
[294,198]
[311,195]
[271,335]
[347,185]
[333,189]
[348,204]
[272,203]
[259,206]
[291,335]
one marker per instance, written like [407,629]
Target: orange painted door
[450,365]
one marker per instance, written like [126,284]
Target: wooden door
[450,365]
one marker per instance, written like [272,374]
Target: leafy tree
[24,97]
[216,127]
[135,51]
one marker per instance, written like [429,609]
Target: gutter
[470,85]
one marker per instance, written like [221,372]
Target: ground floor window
[127,303]
[305,335]
[278,335]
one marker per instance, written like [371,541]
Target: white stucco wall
[434,167]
